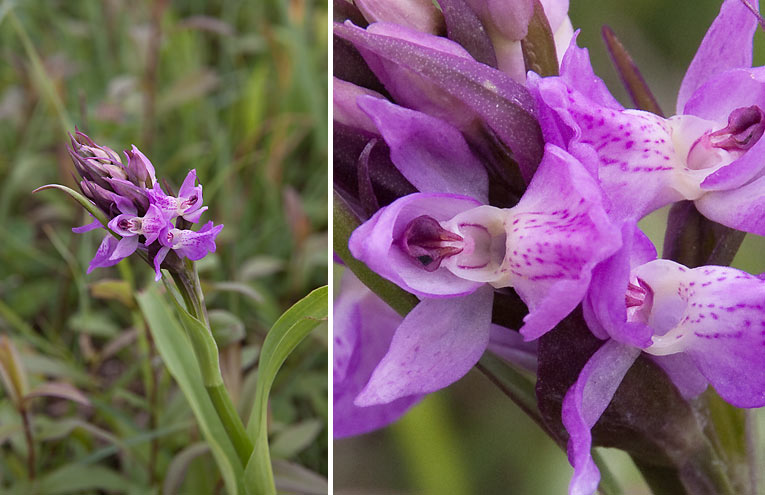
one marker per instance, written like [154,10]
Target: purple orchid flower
[710,152]
[130,227]
[186,243]
[363,329]
[187,205]
[452,251]
[137,214]
[139,168]
[703,326]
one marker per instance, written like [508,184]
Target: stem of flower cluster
[752,449]
[206,351]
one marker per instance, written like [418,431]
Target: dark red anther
[425,240]
[745,127]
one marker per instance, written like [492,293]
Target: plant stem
[752,450]
[206,350]
[31,461]
[232,423]
[661,480]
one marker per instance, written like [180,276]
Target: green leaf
[288,331]
[85,202]
[178,355]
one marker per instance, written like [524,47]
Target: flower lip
[426,241]
[745,127]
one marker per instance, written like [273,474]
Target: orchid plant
[144,216]
[487,192]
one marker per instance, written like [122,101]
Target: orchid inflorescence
[141,216]
[475,181]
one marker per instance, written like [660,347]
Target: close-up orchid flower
[488,188]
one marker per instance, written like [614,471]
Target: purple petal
[506,24]
[95,224]
[196,245]
[362,328]
[194,217]
[577,71]
[559,231]
[683,373]
[725,92]
[437,344]
[510,346]
[344,107]
[158,259]
[716,316]
[377,243]
[139,166]
[584,404]
[635,150]
[430,153]
[115,222]
[604,307]
[742,208]
[454,88]
[738,172]
[464,27]
[125,247]
[420,15]
[103,257]
[153,223]
[188,186]
[507,19]
[727,45]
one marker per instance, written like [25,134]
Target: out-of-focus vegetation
[470,438]
[235,89]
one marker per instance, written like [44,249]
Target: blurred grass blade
[538,46]
[12,372]
[79,478]
[294,478]
[176,472]
[633,81]
[47,86]
[288,331]
[176,351]
[60,390]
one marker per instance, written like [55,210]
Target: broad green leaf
[178,355]
[288,331]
